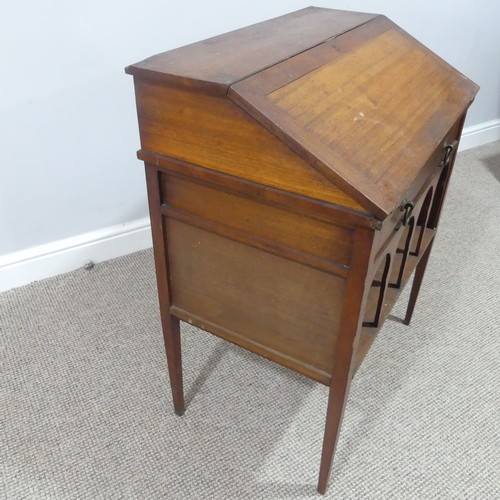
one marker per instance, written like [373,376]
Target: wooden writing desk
[296,170]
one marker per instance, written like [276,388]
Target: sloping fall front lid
[367,108]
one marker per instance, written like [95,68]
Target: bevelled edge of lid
[217,63]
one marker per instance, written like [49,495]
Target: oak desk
[296,170]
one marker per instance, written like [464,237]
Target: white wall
[68,132]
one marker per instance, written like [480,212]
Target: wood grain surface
[367,109]
[284,306]
[214,64]
[296,173]
[215,133]
[269,223]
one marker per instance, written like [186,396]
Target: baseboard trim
[480,134]
[36,263]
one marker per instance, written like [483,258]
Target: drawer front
[255,222]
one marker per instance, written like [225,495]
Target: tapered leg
[336,404]
[170,324]
[357,287]
[172,338]
[417,282]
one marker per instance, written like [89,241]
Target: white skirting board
[51,259]
[480,134]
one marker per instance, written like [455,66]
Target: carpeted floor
[85,405]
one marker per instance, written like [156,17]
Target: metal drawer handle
[406,207]
[448,150]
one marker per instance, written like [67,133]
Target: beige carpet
[85,406]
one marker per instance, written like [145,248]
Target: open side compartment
[394,270]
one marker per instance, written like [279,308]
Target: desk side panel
[282,309]
[215,133]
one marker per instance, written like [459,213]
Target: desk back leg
[172,339]
[170,324]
